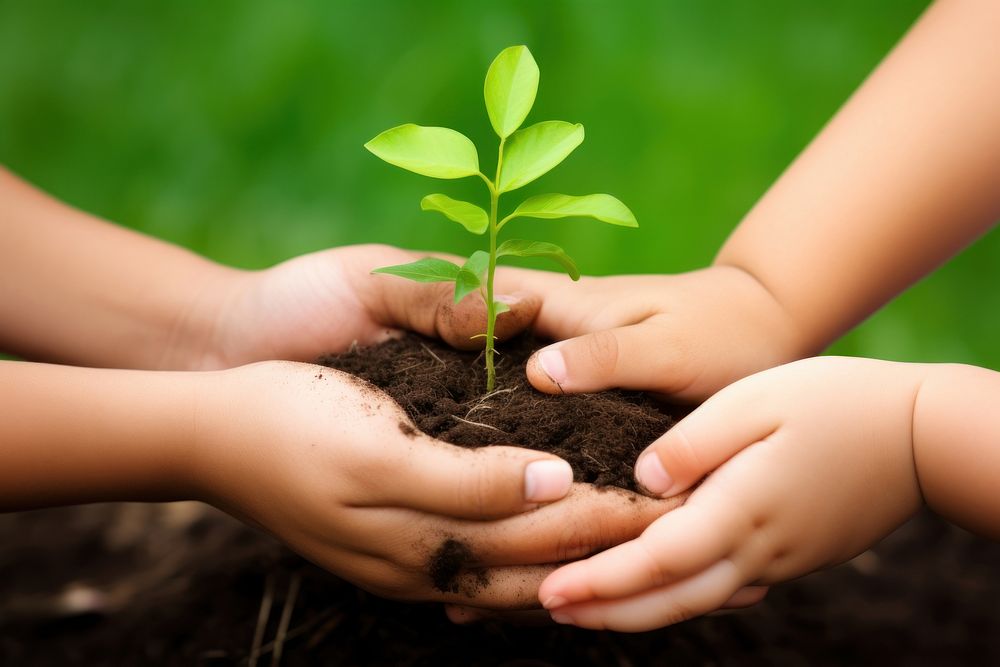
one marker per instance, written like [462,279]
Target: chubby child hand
[808,465]
[331,466]
[685,335]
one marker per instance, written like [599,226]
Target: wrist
[81,435]
[196,313]
[782,333]
[955,431]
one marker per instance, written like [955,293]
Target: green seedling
[524,155]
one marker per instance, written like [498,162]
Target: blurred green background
[236,127]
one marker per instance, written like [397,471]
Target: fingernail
[554,601]
[561,619]
[547,480]
[553,364]
[651,474]
[509,299]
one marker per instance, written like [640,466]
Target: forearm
[903,177]
[75,289]
[956,445]
[77,435]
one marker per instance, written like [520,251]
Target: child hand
[685,335]
[328,464]
[323,302]
[813,462]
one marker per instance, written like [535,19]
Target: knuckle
[478,490]
[679,611]
[680,456]
[657,573]
[602,351]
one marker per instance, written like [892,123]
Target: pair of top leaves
[525,155]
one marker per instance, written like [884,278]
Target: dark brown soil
[443,392]
[182,586]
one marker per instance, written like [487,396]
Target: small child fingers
[696,595]
[677,545]
[708,437]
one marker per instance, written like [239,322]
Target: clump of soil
[443,392]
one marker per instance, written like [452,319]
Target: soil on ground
[183,584]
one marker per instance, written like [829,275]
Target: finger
[699,594]
[586,521]
[484,483]
[429,308]
[514,587]
[747,596]
[631,357]
[463,325]
[508,588]
[674,547]
[464,615]
[725,424]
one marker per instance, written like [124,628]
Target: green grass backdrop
[235,127]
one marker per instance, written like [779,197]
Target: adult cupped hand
[331,466]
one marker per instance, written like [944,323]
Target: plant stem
[491,309]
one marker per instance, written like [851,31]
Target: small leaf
[531,152]
[477,263]
[432,151]
[468,215]
[602,207]
[511,85]
[500,307]
[470,276]
[426,270]
[523,248]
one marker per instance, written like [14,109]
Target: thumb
[463,325]
[484,483]
[717,430]
[430,309]
[631,357]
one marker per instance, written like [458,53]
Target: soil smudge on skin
[407,429]
[447,563]
[442,391]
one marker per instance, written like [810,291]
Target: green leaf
[531,152]
[477,263]
[426,270]
[470,277]
[602,207]
[500,307]
[432,151]
[468,215]
[523,248]
[511,85]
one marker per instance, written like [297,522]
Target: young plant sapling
[523,155]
